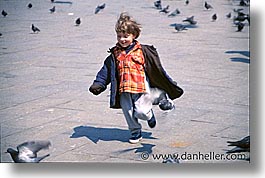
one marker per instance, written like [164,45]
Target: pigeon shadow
[145,147]
[240,59]
[244,53]
[105,134]
[186,25]
[63,2]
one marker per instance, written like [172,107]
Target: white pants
[134,107]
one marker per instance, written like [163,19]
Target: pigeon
[190,20]
[243,143]
[229,15]
[34,28]
[158,4]
[240,26]
[29,5]
[52,10]
[165,9]
[77,21]
[214,17]
[174,13]
[27,151]
[207,6]
[4,13]
[99,8]
[187,2]
[242,3]
[171,160]
[241,17]
[238,10]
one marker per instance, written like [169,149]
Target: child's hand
[96,89]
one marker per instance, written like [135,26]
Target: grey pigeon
[158,4]
[174,13]
[29,5]
[27,151]
[214,17]
[77,21]
[4,13]
[242,3]
[165,9]
[52,10]
[190,20]
[34,28]
[99,8]
[229,15]
[240,26]
[207,6]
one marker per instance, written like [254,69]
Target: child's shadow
[105,134]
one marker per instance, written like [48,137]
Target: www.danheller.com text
[211,156]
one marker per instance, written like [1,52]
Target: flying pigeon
[27,151]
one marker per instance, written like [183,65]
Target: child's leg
[127,103]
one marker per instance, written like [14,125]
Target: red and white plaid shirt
[130,69]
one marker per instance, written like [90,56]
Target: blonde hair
[127,24]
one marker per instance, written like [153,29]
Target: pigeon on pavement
[52,10]
[190,20]
[207,6]
[4,13]
[27,151]
[99,8]
[77,21]
[34,28]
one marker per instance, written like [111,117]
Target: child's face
[125,39]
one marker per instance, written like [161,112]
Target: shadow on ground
[240,59]
[105,134]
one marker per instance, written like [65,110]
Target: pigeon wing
[33,146]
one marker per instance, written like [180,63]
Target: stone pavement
[44,79]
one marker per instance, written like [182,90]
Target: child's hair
[126,24]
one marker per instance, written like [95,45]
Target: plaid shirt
[130,69]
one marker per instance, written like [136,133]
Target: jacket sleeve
[102,78]
[157,75]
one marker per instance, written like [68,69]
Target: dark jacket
[158,78]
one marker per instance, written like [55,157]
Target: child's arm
[102,79]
